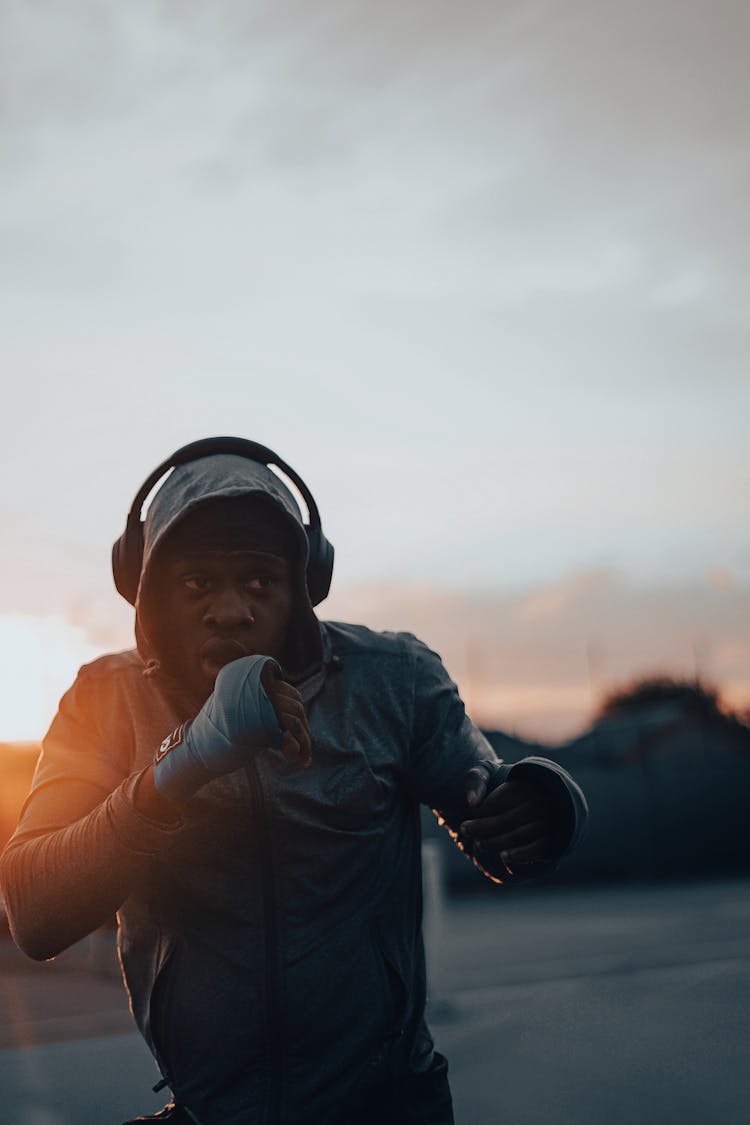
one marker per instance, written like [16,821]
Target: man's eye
[259,582]
[198,583]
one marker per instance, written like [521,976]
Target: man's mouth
[216,652]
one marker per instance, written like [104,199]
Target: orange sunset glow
[42,656]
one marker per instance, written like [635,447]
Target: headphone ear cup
[319,565]
[127,557]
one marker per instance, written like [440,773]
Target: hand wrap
[237,717]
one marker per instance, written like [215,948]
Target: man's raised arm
[87,834]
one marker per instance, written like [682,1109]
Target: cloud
[558,602]
[685,288]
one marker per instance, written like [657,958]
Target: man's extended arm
[515,821]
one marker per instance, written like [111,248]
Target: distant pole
[473,662]
[468,686]
[101,952]
[595,668]
[433,910]
[701,657]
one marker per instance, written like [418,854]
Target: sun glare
[41,656]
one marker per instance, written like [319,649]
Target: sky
[478,271]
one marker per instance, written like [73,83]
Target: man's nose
[229,609]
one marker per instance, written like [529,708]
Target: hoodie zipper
[270,941]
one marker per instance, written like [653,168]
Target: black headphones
[127,551]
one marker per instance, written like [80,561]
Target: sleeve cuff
[571,803]
[136,831]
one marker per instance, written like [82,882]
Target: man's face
[218,606]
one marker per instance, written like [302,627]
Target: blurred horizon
[534,661]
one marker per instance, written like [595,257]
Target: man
[243,789]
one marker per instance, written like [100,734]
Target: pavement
[563,1005]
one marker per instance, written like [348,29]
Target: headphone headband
[127,552]
[241,447]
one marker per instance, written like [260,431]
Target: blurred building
[666,772]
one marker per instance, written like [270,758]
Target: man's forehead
[231,526]
[218,554]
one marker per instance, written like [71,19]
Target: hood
[217,477]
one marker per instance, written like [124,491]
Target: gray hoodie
[270,941]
